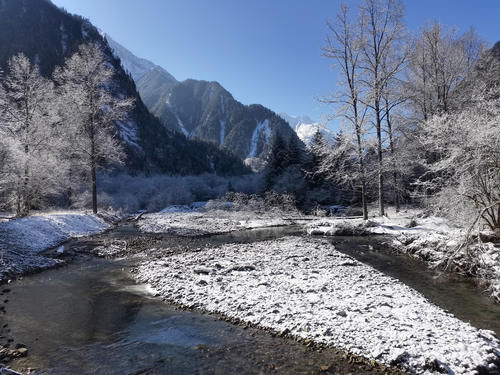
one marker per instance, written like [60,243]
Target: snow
[22,239]
[427,238]
[306,132]
[136,66]
[262,128]
[176,208]
[222,131]
[128,132]
[305,287]
[39,232]
[214,221]
[181,126]
[64,39]
[304,127]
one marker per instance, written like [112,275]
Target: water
[92,318]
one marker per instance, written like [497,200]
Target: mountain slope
[206,111]
[47,34]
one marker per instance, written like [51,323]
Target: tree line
[420,113]
[56,133]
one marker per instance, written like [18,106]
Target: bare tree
[28,125]
[383,59]
[344,46]
[92,110]
[439,62]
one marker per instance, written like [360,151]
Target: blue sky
[262,51]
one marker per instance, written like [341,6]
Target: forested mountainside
[204,110]
[48,34]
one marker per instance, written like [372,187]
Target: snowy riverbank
[196,223]
[306,288]
[21,240]
[427,238]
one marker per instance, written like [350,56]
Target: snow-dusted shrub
[271,201]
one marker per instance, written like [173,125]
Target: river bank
[168,262]
[92,317]
[23,239]
[429,238]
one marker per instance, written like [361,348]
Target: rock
[400,360]
[243,268]
[342,313]
[324,368]
[202,271]
[284,332]
[435,366]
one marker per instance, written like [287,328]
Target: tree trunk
[362,170]
[93,172]
[395,189]
[381,210]
[25,201]
[94,188]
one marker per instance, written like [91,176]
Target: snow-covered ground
[185,222]
[304,287]
[428,238]
[22,239]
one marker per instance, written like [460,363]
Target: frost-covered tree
[384,54]
[465,174]
[30,142]
[345,47]
[91,109]
[439,61]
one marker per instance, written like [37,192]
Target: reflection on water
[92,318]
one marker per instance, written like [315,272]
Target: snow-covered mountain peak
[304,127]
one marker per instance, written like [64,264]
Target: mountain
[48,34]
[304,127]
[206,111]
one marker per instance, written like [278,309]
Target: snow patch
[306,132]
[22,239]
[218,220]
[181,126]
[222,131]
[262,129]
[64,39]
[128,132]
[37,233]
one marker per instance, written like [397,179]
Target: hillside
[48,34]
[206,111]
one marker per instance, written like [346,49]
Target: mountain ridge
[206,111]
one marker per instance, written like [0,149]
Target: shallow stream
[90,317]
